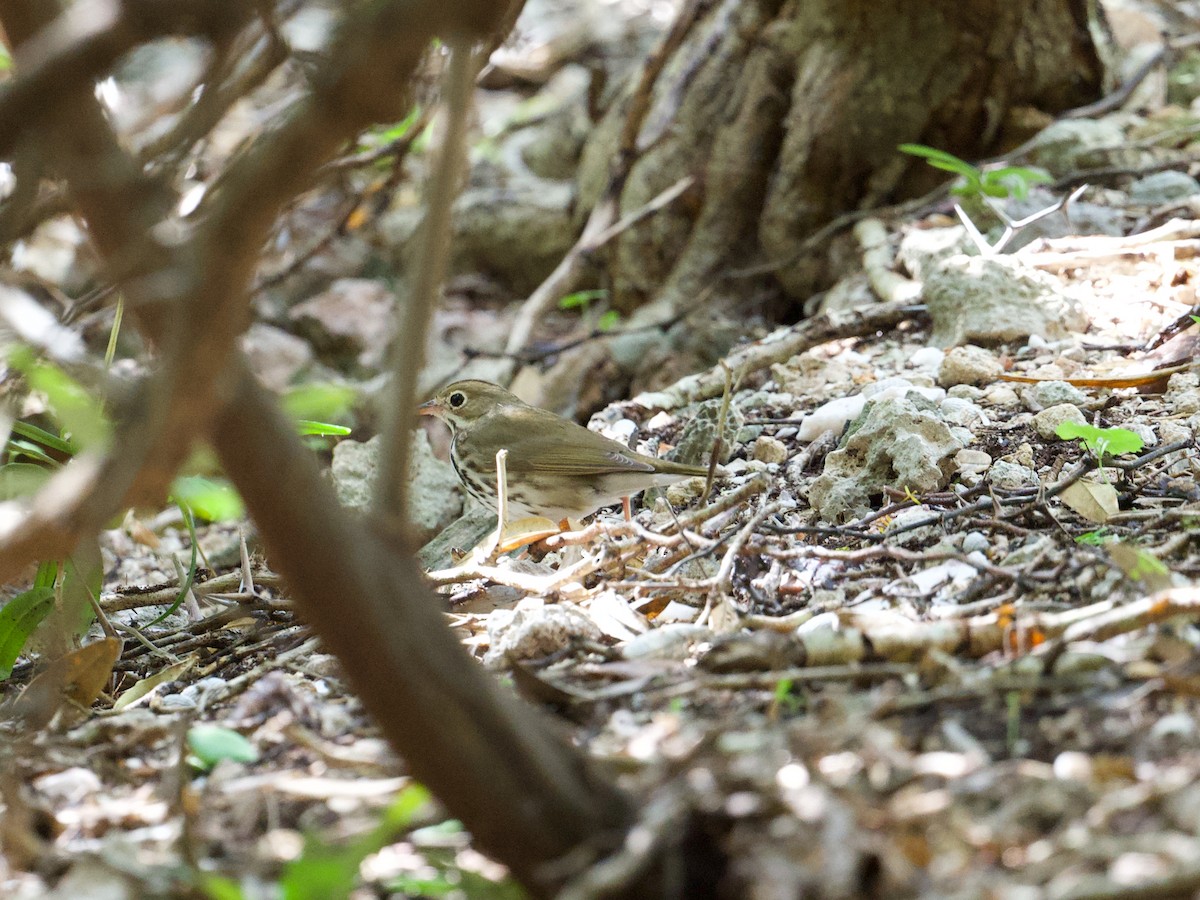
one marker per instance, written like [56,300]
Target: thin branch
[431,252]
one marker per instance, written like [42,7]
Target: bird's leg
[627,509]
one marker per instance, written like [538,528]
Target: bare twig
[431,252]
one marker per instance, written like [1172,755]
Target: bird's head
[464,402]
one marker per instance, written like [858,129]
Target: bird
[556,469]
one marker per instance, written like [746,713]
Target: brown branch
[486,753]
[72,50]
[431,253]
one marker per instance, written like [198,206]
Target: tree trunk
[789,113]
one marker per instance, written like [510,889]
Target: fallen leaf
[1094,501]
[78,677]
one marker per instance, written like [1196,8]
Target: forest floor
[942,651]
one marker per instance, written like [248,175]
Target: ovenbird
[556,468]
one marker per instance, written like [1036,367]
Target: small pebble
[969,365]
[770,450]
[975,542]
[927,358]
[1047,421]
[972,462]
[1045,394]
[1008,476]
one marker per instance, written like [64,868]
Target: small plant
[583,300]
[1006,181]
[209,744]
[1101,442]
[31,454]
[783,699]
[326,871]
[1096,538]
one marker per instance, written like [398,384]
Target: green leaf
[397,131]
[307,427]
[5,59]
[211,743]
[45,438]
[327,872]
[19,617]
[1013,181]
[213,500]
[1101,441]
[609,320]
[218,887]
[22,479]
[581,299]
[18,447]
[947,162]
[190,578]
[80,414]
[47,574]
[321,402]
[1095,538]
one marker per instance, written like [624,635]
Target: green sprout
[1101,442]
[1006,181]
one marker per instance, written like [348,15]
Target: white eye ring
[457,399]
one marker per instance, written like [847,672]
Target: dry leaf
[1094,501]
[77,678]
[146,686]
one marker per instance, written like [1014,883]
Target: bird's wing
[555,446]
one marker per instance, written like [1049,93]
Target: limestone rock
[894,443]
[434,497]
[996,299]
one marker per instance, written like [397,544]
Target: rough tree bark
[789,113]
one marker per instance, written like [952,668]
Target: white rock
[1047,421]
[927,358]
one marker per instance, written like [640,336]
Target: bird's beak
[430,408]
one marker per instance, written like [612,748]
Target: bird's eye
[457,399]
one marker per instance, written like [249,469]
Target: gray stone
[351,323]
[964,413]
[969,364]
[1068,145]
[276,356]
[997,299]
[1163,187]
[458,537]
[975,542]
[893,443]
[700,433]
[434,496]
[1047,421]
[535,631]
[971,463]
[1045,394]
[923,249]
[517,233]
[1011,476]
[769,450]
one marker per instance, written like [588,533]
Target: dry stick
[429,258]
[248,72]
[164,596]
[780,346]
[718,605]
[71,51]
